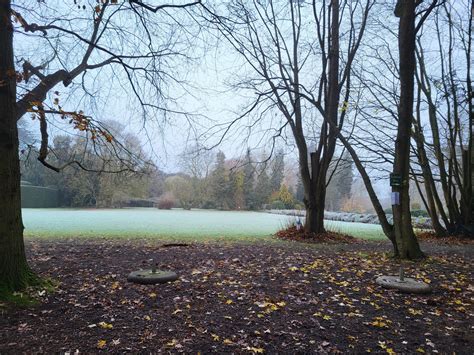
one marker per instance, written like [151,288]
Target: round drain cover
[408,284]
[148,277]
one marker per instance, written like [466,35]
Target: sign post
[395,180]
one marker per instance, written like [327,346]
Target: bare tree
[114,36]
[406,10]
[444,140]
[299,74]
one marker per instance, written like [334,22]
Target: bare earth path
[242,298]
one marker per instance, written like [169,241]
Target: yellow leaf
[152,295]
[415,312]
[147,317]
[228,342]
[420,350]
[172,343]
[281,304]
[326,317]
[105,325]
[255,350]
[379,324]
[101,344]
[229,302]
[344,106]
[177,311]
[390,351]
[215,337]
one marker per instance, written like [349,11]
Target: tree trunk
[313,221]
[386,226]
[407,243]
[426,171]
[14,271]
[321,159]
[469,212]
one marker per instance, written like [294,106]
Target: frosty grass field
[176,223]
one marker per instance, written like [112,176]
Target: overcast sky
[206,94]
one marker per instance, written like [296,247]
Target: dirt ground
[282,297]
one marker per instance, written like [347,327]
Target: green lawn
[169,224]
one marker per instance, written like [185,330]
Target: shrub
[208,205]
[277,205]
[356,204]
[166,203]
[419,213]
[299,206]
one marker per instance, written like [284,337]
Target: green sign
[395,180]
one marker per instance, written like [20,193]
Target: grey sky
[206,94]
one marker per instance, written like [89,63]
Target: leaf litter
[242,298]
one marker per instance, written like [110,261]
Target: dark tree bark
[320,162]
[469,159]
[14,271]
[407,243]
[430,187]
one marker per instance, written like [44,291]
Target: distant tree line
[208,180]
[106,182]
[231,184]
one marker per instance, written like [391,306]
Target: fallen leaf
[101,344]
[255,350]
[105,325]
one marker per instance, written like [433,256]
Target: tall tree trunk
[407,243]
[387,228]
[321,159]
[469,200]
[14,271]
[424,85]
[426,171]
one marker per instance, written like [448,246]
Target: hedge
[39,197]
